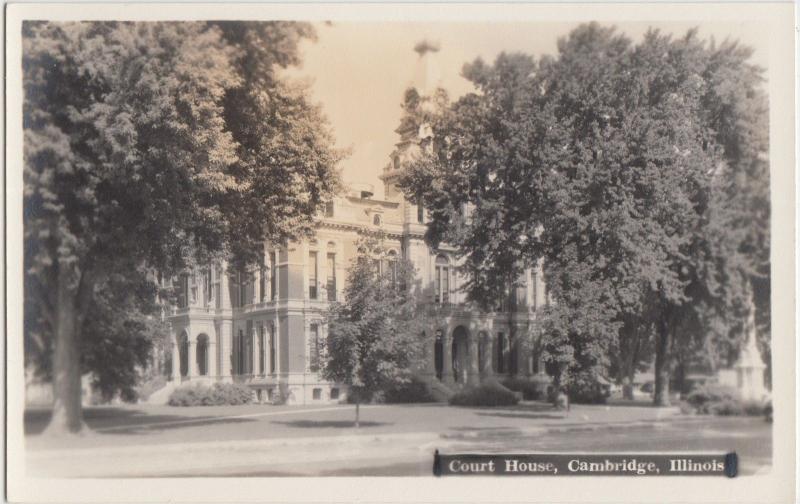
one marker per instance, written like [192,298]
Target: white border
[774,487]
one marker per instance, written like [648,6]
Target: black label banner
[549,464]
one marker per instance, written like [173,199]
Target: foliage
[217,395]
[415,391]
[636,173]
[375,338]
[152,146]
[531,391]
[703,398]
[486,394]
[585,388]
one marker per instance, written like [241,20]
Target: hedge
[216,395]
[487,394]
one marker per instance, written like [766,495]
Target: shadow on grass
[114,420]
[328,424]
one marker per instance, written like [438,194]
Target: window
[442,282]
[535,299]
[242,288]
[193,287]
[501,353]
[273,275]
[183,291]
[272,356]
[312,275]
[376,220]
[262,279]
[420,211]
[215,288]
[331,284]
[207,285]
[392,266]
[261,348]
[334,394]
[313,355]
[329,209]
[317,394]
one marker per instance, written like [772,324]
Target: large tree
[137,156]
[375,337]
[619,165]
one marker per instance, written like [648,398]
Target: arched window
[202,354]
[376,219]
[442,281]
[392,266]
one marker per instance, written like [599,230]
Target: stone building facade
[262,327]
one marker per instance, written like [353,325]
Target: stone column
[472,368]
[256,352]
[447,351]
[267,352]
[226,346]
[176,361]
[224,288]
[488,355]
[213,358]
[192,357]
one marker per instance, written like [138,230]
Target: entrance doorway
[460,354]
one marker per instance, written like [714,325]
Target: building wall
[223,318]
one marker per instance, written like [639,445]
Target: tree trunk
[627,386]
[358,412]
[67,417]
[661,393]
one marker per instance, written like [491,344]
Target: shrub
[216,395]
[487,394]
[726,407]
[415,391]
[531,390]
[586,389]
[754,408]
[703,398]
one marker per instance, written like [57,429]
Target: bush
[709,398]
[414,391]
[216,395]
[726,407]
[586,389]
[531,391]
[754,408]
[487,394]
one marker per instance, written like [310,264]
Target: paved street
[393,440]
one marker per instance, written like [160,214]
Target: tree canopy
[622,167]
[154,145]
[375,335]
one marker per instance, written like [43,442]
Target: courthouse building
[262,327]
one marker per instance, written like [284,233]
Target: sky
[358,71]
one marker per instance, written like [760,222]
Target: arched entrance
[460,354]
[183,351]
[438,354]
[202,355]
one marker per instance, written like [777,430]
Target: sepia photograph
[283,247]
